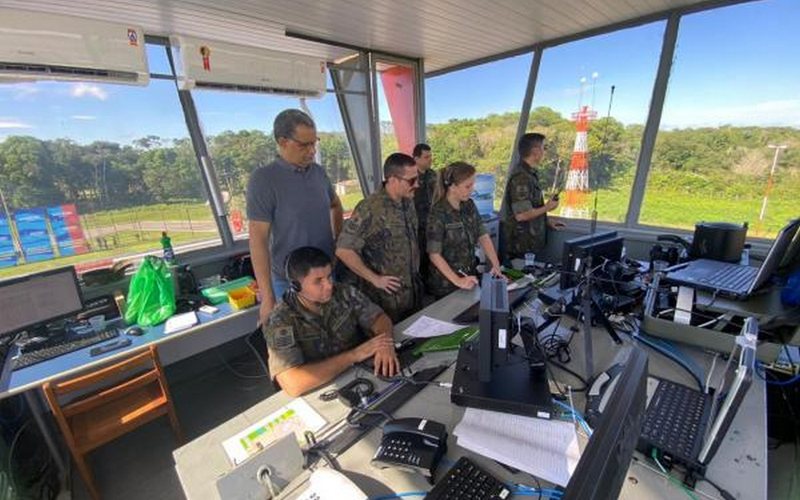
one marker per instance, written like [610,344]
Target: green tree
[26,173]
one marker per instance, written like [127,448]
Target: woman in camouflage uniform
[454,229]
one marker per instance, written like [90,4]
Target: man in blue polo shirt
[290,203]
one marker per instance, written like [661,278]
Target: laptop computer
[687,426]
[735,280]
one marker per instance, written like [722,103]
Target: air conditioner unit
[207,64]
[41,46]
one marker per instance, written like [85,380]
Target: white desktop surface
[740,465]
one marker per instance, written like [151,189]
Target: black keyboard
[675,420]
[468,481]
[732,277]
[64,346]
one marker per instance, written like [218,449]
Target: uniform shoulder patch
[283,337]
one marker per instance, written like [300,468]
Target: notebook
[687,425]
[735,280]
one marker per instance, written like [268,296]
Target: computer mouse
[134,331]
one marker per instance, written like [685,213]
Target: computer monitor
[606,245]
[37,299]
[604,463]
[493,319]
[491,372]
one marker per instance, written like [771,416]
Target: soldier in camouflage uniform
[524,211]
[454,229]
[423,198]
[379,242]
[320,328]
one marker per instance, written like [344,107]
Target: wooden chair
[134,391]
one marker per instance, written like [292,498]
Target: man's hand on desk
[382,347]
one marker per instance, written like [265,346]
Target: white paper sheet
[297,417]
[548,449]
[426,326]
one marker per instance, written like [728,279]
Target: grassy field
[125,235]
[153,213]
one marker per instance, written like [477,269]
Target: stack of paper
[425,326]
[547,449]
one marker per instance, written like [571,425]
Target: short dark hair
[395,163]
[419,148]
[529,141]
[287,121]
[301,261]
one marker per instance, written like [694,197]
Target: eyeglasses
[305,145]
[411,181]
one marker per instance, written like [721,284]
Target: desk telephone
[414,444]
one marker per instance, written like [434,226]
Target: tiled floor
[139,465]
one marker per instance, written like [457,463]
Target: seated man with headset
[322,328]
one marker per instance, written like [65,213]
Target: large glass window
[593,134]
[472,115]
[94,172]
[238,129]
[733,102]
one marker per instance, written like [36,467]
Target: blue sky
[737,65]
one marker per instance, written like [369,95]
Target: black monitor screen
[38,298]
[605,461]
[601,246]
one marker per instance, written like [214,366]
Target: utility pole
[770,180]
[11,228]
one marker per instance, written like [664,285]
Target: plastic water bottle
[166,244]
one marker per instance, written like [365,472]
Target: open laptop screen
[738,376]
[776,254]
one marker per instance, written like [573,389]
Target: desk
[211,331]
[740,464]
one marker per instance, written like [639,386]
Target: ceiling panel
[445,33]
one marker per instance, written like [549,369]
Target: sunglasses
[411,181]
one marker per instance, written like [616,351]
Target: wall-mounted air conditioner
[41,46]
[207,64]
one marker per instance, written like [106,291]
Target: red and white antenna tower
[577,189]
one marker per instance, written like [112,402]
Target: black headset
[294,285]
[447,177]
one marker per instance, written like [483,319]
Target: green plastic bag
[151,294]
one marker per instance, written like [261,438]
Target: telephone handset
[414,444]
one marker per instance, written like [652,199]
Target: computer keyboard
[62,346]
[468,481]
[674,420]
[732,277]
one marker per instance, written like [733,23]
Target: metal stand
[32,398]
[589,310]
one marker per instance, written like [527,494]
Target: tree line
[721,161]
[106,175]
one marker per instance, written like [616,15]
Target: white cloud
[782,113]
[83,117]
[7,123]
[85,89]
